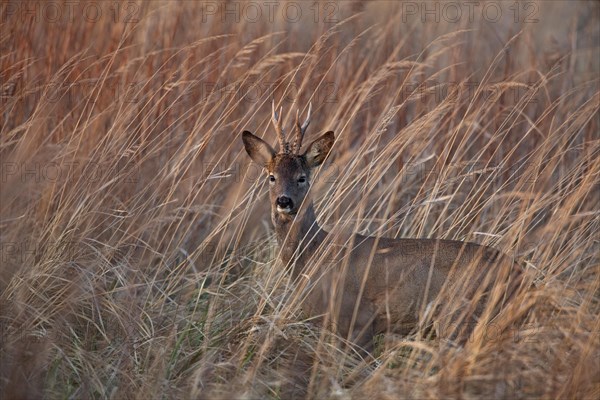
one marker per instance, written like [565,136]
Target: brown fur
[383,285]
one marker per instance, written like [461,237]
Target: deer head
[288,171]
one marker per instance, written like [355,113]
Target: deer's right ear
[318,150]
[259,151]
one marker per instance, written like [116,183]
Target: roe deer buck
[386,283]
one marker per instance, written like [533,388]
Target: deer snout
[284,203]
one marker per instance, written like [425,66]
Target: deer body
[367,285]
[396,275]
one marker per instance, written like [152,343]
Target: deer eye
[302,179]
[272,178]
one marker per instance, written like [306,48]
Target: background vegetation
[137,254]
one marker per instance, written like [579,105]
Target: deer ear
[259,151]
[317,151]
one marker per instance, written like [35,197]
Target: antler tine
[307,120]
[301,129]
[275,118]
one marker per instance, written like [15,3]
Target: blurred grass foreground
[137,254]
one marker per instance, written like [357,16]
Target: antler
[301,129]
[279,128]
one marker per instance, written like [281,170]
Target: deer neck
[298,236]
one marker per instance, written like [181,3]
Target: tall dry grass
[138,259]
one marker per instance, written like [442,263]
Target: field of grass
[138,259]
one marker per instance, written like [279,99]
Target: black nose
[284,202]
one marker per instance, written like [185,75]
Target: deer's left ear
[258,150]
[317,151]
